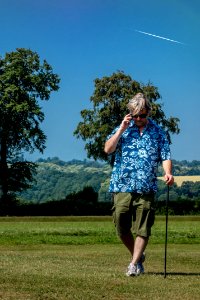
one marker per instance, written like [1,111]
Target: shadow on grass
[173,273]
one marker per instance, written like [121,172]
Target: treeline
[85,203]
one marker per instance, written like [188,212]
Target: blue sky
[84,40]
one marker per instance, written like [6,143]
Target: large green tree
[24,80]
[110,98]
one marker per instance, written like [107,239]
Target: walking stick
[167,202]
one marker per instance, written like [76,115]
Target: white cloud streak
[159,37]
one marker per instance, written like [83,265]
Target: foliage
[23,81]
[109,100]
[18,171]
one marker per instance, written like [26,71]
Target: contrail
[159,37]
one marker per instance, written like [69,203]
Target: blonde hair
[138,103]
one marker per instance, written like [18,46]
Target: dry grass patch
[180,179]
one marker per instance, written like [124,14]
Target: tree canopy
[24,80]
[110,98]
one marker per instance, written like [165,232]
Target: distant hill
[56,179]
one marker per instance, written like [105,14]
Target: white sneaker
[132,270]
[136,270]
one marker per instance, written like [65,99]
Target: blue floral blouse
[137,158]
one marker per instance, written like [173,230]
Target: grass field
[81,258]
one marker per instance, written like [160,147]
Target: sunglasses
[142,116]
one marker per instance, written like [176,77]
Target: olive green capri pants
[134,211]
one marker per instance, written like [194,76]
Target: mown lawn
[81,258]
